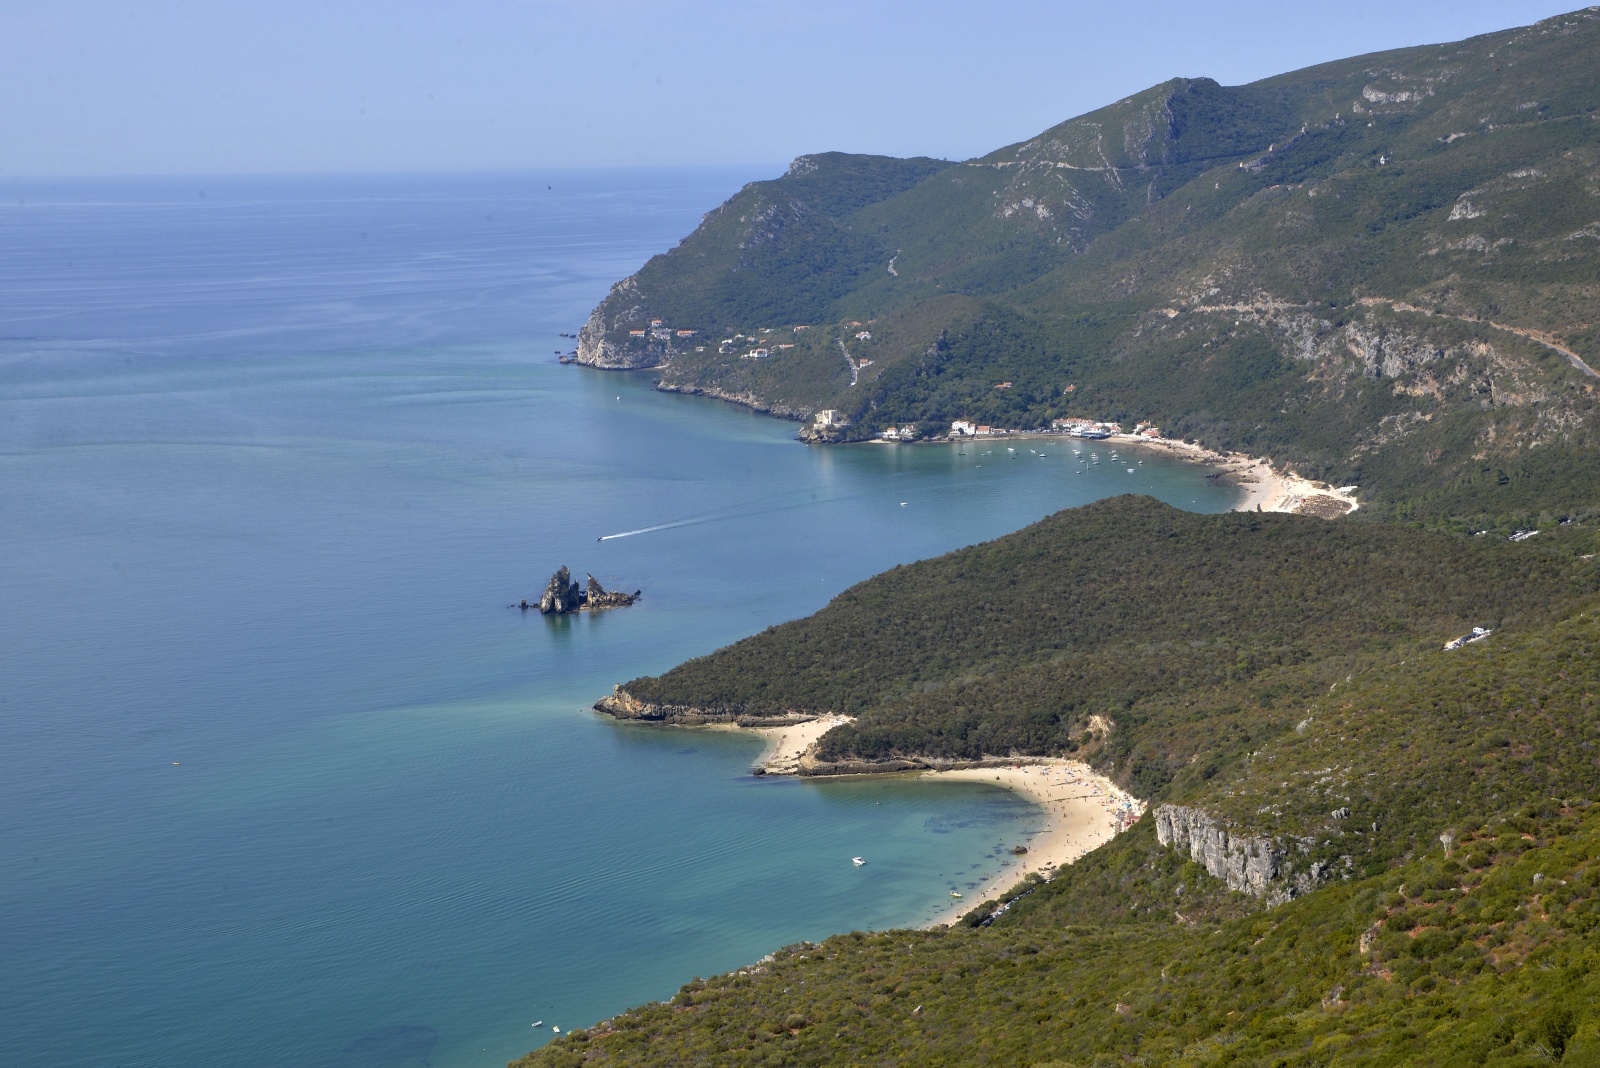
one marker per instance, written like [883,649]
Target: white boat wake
[739,513]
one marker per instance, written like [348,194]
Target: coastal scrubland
[1430,809]
[1485,957]
[1130,613]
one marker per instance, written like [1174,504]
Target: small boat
[858,862]
[954,894]
[537,1023]
[554,1029]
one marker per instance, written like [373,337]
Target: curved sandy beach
[1266,488]
[1083,810]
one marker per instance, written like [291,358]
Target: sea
[285,778]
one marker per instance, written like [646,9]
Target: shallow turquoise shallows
[283,779]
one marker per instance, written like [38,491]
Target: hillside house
[864,335]
[829,418]
[963,429]
[636,333]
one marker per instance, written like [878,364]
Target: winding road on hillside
[855,372]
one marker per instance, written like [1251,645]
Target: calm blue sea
[283,780]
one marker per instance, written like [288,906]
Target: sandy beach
[786,745]
[1266,488]
[1083,810]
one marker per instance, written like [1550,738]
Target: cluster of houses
[756,346]
[660,331]
[1073,427]
[760,347]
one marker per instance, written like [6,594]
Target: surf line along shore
[1083,809]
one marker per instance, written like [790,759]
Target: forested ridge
[1127,609]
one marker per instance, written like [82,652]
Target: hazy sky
[216,86]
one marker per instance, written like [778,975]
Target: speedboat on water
[858,862]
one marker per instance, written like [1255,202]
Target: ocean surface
[283,778]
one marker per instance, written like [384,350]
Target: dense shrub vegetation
[1489,956]
[1127,609]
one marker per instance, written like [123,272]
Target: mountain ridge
[1378,271]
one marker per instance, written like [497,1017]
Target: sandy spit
[786,745]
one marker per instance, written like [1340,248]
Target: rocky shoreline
[744,400]
[620,704]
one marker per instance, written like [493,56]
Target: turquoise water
[283,780]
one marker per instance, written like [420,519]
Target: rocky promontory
[620,704]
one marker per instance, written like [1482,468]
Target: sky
[94,87]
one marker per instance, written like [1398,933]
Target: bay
[284,778]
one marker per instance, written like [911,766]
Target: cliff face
[1257,866]
[600,341]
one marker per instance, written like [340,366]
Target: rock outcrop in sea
[562,595]
[597,596]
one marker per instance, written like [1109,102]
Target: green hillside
[1159,645]
[1487,957]
[1383,271]
[1361,847]
[1295,694]
[1126,608]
